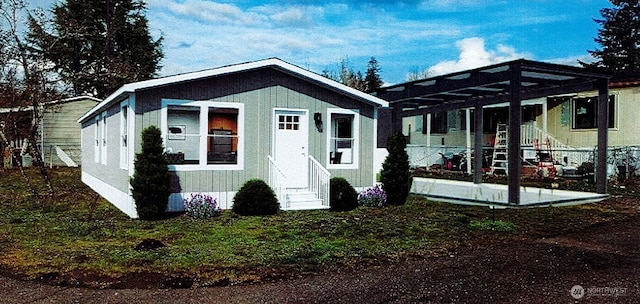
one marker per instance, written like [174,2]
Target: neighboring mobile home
[266,119]
[569,121]
[570,118]
[59,131]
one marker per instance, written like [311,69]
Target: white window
[203,134]
[124,132]
[343,135]
[103,139]
[97,143]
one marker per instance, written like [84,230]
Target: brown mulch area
[490,270]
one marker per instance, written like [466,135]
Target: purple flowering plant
[373,197]
[201,206]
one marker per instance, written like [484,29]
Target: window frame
[123,139]
[355,133]
[439,123]
[611,111]
[204,106]
[96,137]
[103,139]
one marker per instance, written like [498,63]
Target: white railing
[530,133]
[532,136]
[278,181]
[319,180]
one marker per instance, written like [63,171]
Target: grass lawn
[76,231]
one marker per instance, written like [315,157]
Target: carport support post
[515,119]
[396,117]
[603,130]
[477,143]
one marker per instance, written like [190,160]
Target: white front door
[291,146]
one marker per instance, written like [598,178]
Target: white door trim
[296,170]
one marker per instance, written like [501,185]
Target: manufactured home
[59,132]
[265,119]
[569,118]
[565,123]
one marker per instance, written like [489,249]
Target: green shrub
[342,197]
[395,176]
[255,197]
[150,185]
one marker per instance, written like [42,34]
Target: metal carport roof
[510,82]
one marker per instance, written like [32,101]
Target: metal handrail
[278,181]
[319,178]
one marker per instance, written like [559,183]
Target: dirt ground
[602,259]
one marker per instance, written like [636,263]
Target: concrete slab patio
[468,193]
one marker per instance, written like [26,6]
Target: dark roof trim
[489,85]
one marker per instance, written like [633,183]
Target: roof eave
[271,62]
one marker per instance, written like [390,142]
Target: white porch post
[467,119]
[544,116]
[428,130]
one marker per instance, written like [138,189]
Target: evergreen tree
[150,185]
[347,75]
[619,38]
[372,80]
[395,170]
[99,45]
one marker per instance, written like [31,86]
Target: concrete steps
[303,199]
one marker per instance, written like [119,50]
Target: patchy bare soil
[531,267]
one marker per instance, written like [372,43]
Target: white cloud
[220,13]
[473,54]
[451,5]
[200,34]
[292,16]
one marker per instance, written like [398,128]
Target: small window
[585,112]
[96,137]
[439,122]
[343,138]
[289,122]
[103,139]
[124,131]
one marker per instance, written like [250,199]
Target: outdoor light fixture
[317,117]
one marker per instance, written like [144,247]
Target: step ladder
[499,161]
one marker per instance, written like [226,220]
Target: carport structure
[511,83]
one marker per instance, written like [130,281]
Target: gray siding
[260,91]
[110,172]
[60,128]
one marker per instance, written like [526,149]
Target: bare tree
[26,81]
[418,73]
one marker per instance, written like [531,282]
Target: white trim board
[121,200]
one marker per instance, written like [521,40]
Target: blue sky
[440,36]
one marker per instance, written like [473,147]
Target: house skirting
[223,198]
[122,200]
[126,204]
